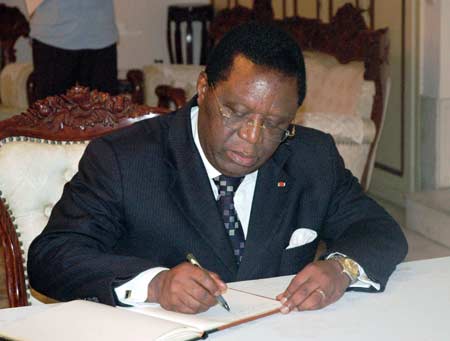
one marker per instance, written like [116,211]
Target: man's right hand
[186,289]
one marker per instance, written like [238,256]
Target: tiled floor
[420,247]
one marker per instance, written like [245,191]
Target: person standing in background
[74,42]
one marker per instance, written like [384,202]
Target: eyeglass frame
[288,133]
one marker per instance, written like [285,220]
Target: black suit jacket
[142,199]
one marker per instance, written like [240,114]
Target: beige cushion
[331,86]
[176,75]
[13,85]
[353,136]
[365,100]
[345,129]
[32,177]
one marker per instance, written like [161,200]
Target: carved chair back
[39,152]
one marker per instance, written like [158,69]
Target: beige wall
[434,122]
[397,150]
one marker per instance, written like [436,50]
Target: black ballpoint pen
[191,258]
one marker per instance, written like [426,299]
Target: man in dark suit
[145,197]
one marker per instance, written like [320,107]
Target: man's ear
[202,86]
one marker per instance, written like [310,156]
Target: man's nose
[252,131]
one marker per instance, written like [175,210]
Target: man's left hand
[319,284]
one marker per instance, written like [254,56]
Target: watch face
[351,267]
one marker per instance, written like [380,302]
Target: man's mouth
[242,159]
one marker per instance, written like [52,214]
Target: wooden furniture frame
[188,13]
[79,115]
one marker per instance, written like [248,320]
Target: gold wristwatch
[349,267]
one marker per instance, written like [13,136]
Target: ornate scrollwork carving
[80,109]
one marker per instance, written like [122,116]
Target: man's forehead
[244,74]
[244,68]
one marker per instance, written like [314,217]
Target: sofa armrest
[169,96]
[133,84]
[175,75]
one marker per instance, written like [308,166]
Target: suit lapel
[268,209]
[191,190]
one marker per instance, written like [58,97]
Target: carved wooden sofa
[39,153]
[347,78]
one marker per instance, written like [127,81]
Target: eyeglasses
[235,120]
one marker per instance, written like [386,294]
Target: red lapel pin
[281,184]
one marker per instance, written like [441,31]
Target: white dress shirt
[134,291]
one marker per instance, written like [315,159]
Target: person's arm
[73,257]
[357,227]
[361,229]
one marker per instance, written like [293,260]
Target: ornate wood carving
[77,115]
[14,271]
[230,17]
[226,19]
[135,79]
[13,25]
[80,114]
[133,85]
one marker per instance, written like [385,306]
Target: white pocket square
[301,237]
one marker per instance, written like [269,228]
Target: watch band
[349,267]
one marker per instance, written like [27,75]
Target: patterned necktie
[227,186]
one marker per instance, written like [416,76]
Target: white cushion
[345,129]
[365,100]
[335,87]
[32,177]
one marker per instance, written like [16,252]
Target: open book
[83,320]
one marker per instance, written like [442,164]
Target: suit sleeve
[73,257]
[360,228]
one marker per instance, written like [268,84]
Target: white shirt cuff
[363,280]
[135,290]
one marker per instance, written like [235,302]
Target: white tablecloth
[414,306]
